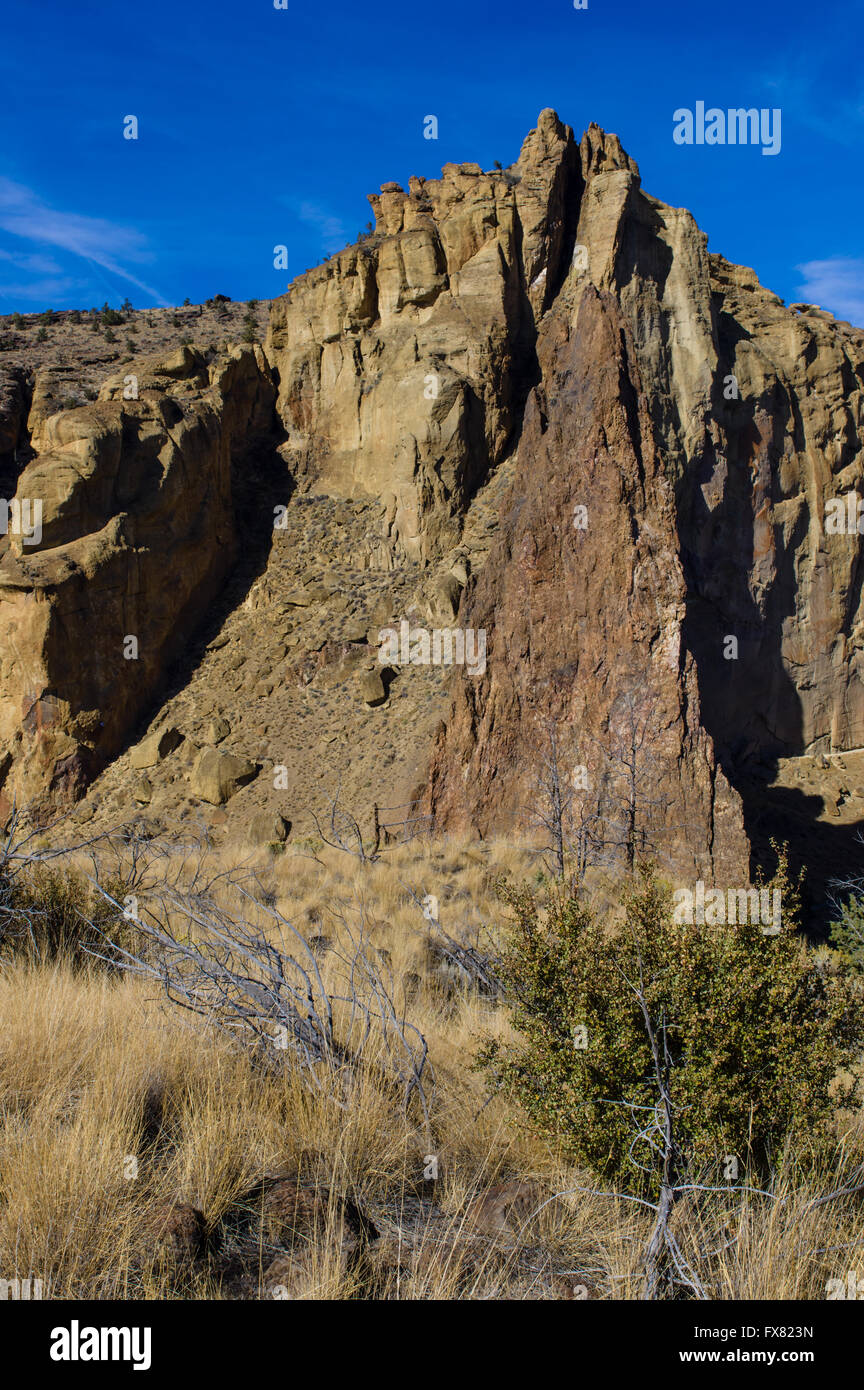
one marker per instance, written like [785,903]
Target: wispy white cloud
[47,291]
[818,84]
[332,229]
[24,214]
[37,265]
[836,284]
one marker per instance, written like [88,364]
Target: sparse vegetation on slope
[144,1153]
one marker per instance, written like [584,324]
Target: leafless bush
[842,887]
[597,804]
[462,961]
[343,830]
[250,974]
[466,964]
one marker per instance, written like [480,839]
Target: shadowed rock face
[504,348]
[758,412]
[137,534]
[14,396]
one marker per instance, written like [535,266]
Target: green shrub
[308,844]
[847,934]
[756,1028]
[49,913]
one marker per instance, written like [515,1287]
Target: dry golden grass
[115,1103]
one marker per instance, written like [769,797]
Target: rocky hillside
[529,404]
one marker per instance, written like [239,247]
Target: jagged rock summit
[530,403]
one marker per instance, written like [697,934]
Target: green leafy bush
[847,933]
[756,1029]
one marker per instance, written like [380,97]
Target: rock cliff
[529,402]
[137,532]
[583,601]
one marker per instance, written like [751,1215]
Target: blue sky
[260,127]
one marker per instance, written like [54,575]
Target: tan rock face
[137,534]
[404,360]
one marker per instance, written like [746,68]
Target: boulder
[267,828]
[178,1232]
[307,596]
[217,775]
[353,630]
[217,730]
[155,747]
[510,1206]
[442,599]
[371,688]
[142,791]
